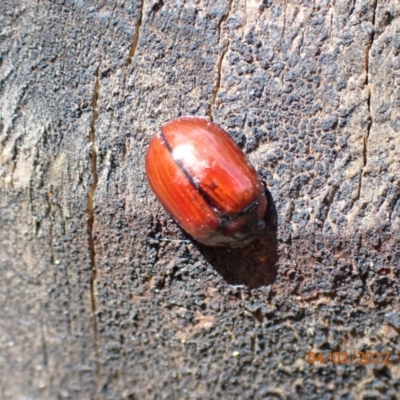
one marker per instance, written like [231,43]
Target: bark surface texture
[102,296]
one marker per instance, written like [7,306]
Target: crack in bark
[352,8]
[284,18]
[136,36]
[49,216]
[6,77]
[91,216]
[44,346]
[290,211]
[64,50]
[68,285]
[16,113]
[328,200]
[219,64]
[217,84]
[367,83]
[223,19]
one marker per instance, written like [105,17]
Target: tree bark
[102,296]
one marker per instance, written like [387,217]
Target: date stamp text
[343,357]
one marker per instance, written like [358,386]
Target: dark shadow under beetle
[253,265]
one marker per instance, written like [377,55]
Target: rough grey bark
[102,296]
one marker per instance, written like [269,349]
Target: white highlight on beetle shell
[187,154]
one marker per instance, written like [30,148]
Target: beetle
[204,180]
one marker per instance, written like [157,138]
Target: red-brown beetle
[205,182]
